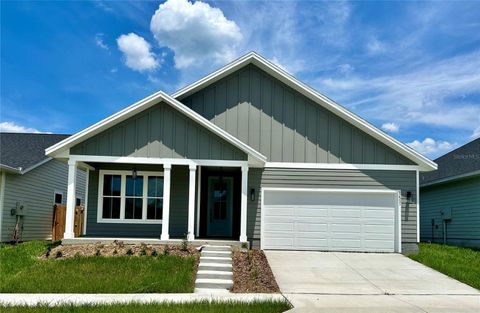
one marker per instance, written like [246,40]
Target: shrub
[129,252]
[59,254]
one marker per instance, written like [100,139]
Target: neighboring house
[251,154]
[31,180]
[450,198]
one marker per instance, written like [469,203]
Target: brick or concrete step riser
[216,254]
[226,249]
[215,276]
[214,285]
[214,268]
[215,260]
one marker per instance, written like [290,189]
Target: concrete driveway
[367,282]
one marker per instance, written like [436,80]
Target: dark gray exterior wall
[159,132]
[351,179]
[178,206]
[463,198]
[36,190]
[284,125]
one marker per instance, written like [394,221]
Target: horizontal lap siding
[36,189]
[463,197]
[284,125]
[348,179]
[178,208]
[160,132]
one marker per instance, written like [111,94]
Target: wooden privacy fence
[58,226]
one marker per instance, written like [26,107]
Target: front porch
[150,241]
[138,199]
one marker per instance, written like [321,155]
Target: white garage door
[330,220]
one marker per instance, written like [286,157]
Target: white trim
[122,219]
[142,105]
[155,161]
[55,192]
[9,169]
[85,204]
[3,180]
[243,205]
[417,190]
[342,166]
[167,171]
[71,199]
[309,92]
[398,217]
[199,190]
[191,202]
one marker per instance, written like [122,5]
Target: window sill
[109,221]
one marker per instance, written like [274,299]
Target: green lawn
[463,264]
[199,307]
[22,272]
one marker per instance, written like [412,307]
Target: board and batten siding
[36,189]
[463,198]
[178,206]
[349,179]
[284,125]
[159,132]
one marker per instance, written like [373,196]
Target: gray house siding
[284,125]
[159,132]
[36,190]
[313,178]
[463,198]
[178,207]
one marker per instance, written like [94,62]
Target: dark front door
[220,206]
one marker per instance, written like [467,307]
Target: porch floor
[150,241]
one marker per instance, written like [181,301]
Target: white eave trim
[142,105]
[9,169]
[252,57]
[342,166]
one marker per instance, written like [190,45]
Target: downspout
[2,199]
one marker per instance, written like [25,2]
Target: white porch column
[191,203]
[166,201]
[71,188]
[243,205]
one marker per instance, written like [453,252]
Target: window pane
[155,186]
[133,208]
[128,208]
[154,209]
[134,187]
[111,185]
[138,209]
[111,207]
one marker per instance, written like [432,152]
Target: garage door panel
[337,222]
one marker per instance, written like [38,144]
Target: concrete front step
[212,266]
[214,274]
[222,254]
[216,259]
[216,248]
[213,283]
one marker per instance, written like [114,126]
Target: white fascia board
[10,170]
[140,106]
[343,166]
[277,72]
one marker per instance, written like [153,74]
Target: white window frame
[123,181]
[55,192]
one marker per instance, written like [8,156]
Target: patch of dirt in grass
[252,273]
[118,248]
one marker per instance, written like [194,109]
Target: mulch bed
[117,248]
[252,273]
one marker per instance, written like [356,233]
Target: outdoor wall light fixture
[252,194]
[409,196]
[134,173]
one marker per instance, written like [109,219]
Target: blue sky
[410,68]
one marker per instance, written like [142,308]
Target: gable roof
[461,162]
[139,107]
[20,152]
[280,74]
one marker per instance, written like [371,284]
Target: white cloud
[11,127]
[137,52]
[431,147]
[197,33]
[375,46]
[345,69]
[390,127]
[476,133]
[99,41]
